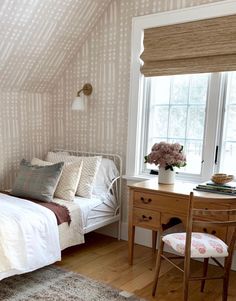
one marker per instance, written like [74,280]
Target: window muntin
[177,106]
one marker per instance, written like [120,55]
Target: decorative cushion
[69,179]
[37,182]
[89,170]
[203,245]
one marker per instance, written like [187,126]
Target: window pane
[230,123]
[180,89]
[177,122]
[193,149]
[195,125]
[228,148]
[228,158]
[198,89]
[232,88]
[158,122]
[177,107]
[160,90]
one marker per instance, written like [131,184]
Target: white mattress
[84,213]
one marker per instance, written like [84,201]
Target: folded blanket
[61,212]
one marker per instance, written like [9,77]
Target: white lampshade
[79,104]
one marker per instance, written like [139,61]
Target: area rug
[55,284]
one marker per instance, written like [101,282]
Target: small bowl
[222,178]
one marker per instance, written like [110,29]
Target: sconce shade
[78,104]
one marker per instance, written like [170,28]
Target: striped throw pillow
[89,170]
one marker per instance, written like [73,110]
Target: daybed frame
[112,213]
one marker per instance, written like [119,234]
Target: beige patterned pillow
[69,179]
[89,170]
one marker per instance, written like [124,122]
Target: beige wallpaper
[39,38]
[104,61]
[31,124]
[25,130]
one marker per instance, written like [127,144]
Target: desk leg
[154,240]
[131,243]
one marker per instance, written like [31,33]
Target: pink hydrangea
[167,155]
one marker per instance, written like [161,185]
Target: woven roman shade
[201,46]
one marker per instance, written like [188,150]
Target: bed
[44,239]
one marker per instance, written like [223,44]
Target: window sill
[141,177]
[144,177]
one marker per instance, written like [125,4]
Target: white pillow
[89,170]
[69,179]
[107,172]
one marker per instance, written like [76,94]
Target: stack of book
[229,188]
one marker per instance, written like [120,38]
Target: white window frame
[196,13]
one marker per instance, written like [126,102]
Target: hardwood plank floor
[106,259]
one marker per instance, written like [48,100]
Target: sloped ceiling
[38,38]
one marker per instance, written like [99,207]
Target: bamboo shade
[201,46]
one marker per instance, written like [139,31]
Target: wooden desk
[152,205]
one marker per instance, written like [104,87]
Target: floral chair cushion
[203,245]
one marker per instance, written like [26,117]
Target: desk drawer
[160,202]
[146,218]
[220,232]
[212,206]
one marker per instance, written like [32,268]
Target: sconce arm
[87,90]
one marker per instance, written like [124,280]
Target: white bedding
[82,215]
[29,237]
[71,235]
[74,234]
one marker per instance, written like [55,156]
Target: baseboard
[142,236]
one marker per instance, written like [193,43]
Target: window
[176,113]
[181,108]
[197,110]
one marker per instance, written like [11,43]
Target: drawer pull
[145,201]
[146,218]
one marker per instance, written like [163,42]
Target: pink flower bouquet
[167,155]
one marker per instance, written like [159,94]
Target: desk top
[179,188]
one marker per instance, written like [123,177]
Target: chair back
[205,217]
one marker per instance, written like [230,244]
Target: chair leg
[154,241]
[226,280]
[158,266]
[186,277]
[205,269]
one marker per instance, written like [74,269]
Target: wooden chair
[200,245]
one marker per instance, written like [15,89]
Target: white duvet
[29,237]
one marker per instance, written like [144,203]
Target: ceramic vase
[166,176]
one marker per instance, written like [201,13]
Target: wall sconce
[79,103]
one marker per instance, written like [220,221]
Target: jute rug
[55,284]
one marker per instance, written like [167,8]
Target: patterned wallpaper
[31,123]
[25,130]
[104,61]
[40,37]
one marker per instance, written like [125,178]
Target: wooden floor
[106,259]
